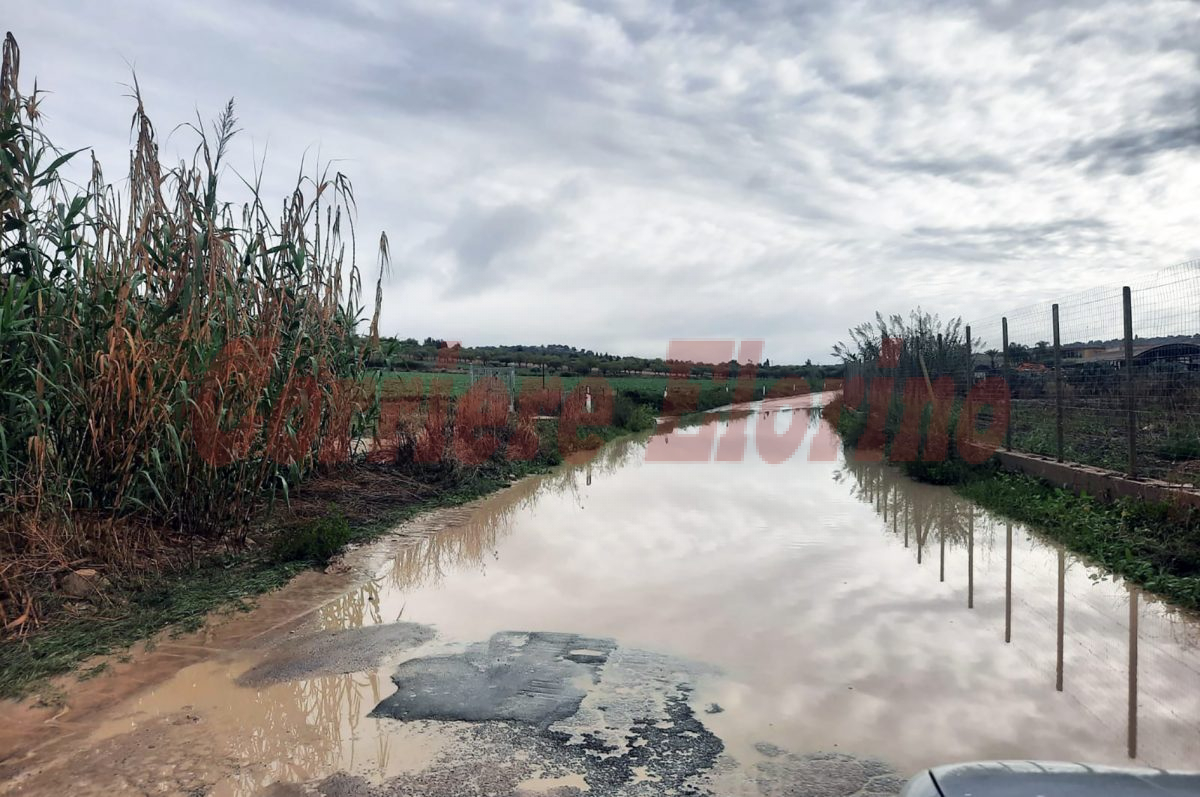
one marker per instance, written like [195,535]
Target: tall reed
[133,320]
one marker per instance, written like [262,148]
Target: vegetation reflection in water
[473,537]
[1108,654]
[298,729]
[332,709]
[935,524]
[935,521]
[290,731]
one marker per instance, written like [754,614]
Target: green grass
[1179,445]
[181,600]
[646,385]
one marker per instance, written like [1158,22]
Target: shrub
[641,420]
[651,396]
[316,541]
[949,471]
[632,416]
[851,424]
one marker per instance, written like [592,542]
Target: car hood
[1056,779]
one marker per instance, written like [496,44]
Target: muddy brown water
[829,607]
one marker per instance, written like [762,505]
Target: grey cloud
[1013,231]
[1128,152]
[700,83]
[797,15]
[980,243]
[453,70]
[613,173]
[480,238]
[638,28]
[969,169]
[1008,14]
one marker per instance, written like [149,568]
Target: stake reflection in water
[895,513]
[1062,600]
[971,560]
[920,536]
[942,556]
[939,510]
[1133,671]
[1008,583]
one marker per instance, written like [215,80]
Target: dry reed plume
[136,325]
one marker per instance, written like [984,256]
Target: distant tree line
[409,354]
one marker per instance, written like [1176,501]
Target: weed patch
[1153,545]
[316,541]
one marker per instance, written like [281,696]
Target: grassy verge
[287,544]
[1153,545]
[1156,546]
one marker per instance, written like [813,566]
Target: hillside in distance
[409,354]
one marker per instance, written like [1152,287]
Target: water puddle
[733,627]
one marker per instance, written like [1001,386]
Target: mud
[174,755]
[334,652]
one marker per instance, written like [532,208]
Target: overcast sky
[612,174]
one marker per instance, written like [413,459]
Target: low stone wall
[1104,484]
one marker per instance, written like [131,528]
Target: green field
[645,385]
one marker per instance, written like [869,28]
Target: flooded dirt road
[632,627]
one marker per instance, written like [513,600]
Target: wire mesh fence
[506,375]
[1107,377]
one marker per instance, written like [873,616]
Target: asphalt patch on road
[334,652]
[536,678]
[560,714]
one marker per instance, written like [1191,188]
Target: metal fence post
[1058,385]
[1007,384]
[966,407]
[970,361]
[1131,419]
